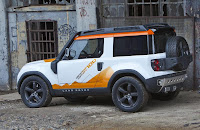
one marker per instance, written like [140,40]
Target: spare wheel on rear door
[177,46]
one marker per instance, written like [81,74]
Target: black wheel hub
[33,92]
[127,94]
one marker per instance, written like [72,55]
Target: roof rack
[156,25]
[114,30]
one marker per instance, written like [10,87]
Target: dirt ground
[7,92]
[100,113]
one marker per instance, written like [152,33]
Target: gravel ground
[100,113]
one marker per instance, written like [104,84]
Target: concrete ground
[100,113]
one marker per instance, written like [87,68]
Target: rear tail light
[157,65]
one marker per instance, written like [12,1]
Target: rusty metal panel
[42,40]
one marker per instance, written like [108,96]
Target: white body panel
[68,70]
[42,67]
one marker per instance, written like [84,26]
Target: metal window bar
[134,7]
[42,43]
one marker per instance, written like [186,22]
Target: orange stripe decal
[102,77]
[49,60]
[123,34]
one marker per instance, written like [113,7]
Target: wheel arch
[34,73]
[127,72]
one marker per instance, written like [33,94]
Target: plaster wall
[86,15]
[4,65]
[193,9]
[66,26]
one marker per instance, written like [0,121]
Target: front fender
[35,73]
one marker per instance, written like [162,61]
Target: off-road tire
[135,89]
[165,96]
[45,97]
[176,47]
[75,99]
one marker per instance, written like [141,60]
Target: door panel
[80,73]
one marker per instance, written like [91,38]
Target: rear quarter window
[129,46]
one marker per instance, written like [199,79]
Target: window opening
[92,48]
[42,41]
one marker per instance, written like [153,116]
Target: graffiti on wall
[66,30]
[82,6]
[83,12]
[13,35]
[85,2]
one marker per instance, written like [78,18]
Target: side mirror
[69,53]
[72,53]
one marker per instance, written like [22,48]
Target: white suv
[129,63]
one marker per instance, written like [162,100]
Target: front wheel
[129,94]
[35,92]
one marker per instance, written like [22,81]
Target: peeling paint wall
[66,26]
[193,9]
[86,15]
[4,66]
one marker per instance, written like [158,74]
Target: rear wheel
[129,94]
[76,98]
[35,92]
[165,96]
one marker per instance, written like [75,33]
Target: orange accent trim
[102,78]
[49,60]
[123,34]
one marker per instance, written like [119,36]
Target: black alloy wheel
[35,92]
[129,94]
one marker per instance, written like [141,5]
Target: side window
[128,46]
[91,48]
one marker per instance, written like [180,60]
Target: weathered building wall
[193,9]
[86,14]
[4,60]
[114,14]
[66,26]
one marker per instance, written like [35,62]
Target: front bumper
[166,83]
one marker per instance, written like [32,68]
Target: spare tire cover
[176,47]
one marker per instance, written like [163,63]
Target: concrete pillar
[4,65]
[86,15]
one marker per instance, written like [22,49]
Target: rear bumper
[165,83]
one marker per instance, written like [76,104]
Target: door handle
[99,66]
